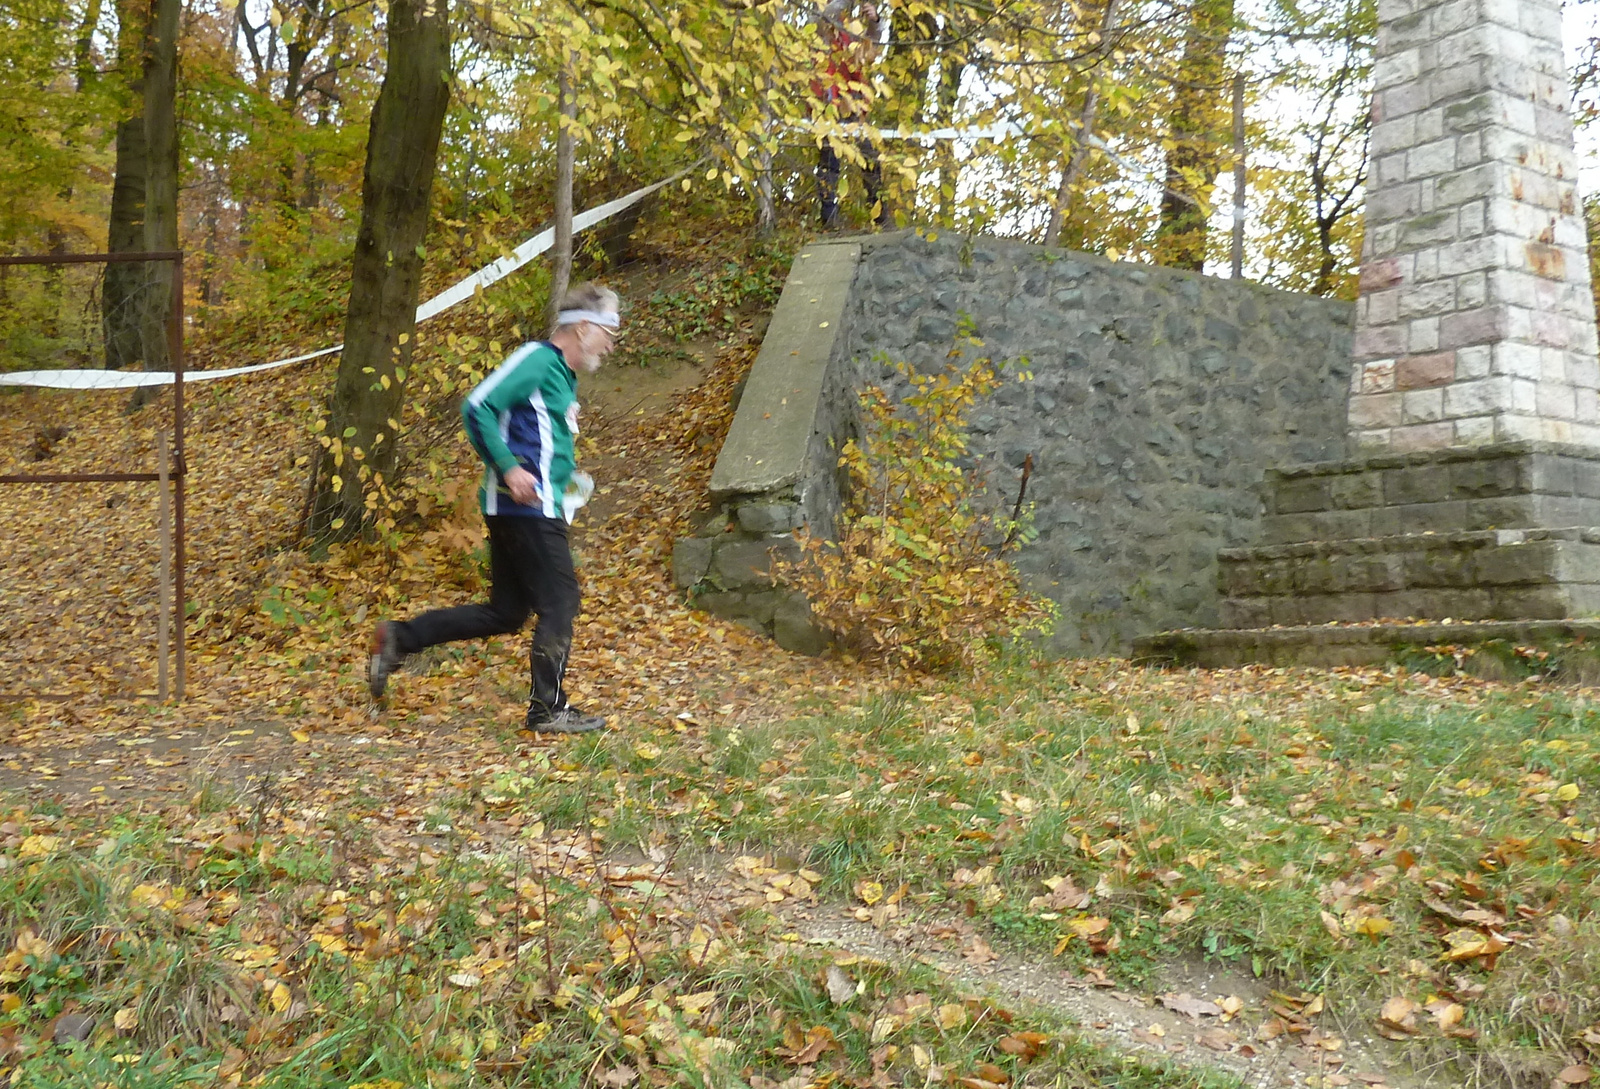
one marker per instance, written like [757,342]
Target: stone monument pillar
[1475,322]
[1472,487]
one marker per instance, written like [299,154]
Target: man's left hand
[521,484]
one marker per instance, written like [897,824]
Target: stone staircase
[1501,533]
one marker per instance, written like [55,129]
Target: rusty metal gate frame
[179,470]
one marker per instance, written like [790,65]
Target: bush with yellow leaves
[917,576]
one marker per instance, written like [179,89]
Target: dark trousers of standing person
[828,170]
[530,571]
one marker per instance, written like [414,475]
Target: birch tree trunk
[386,271]
[766,205]
[1080,137]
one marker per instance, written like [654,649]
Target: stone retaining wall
[1158,400]
[776,470]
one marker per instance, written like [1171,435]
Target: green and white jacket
[525,413]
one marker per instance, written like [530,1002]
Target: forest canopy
[1121,141]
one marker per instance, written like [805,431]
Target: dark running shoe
[386,658]
[568,720]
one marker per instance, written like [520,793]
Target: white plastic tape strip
[999,131]
[1005,130]
[533,247]
[450,296]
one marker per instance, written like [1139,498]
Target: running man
[521,420]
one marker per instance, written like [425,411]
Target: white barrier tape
[1003,130]
[1000,130]
[532,248]
[456,293]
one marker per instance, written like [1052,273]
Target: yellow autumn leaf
[1567,792]
[952,1015]
[1089,925]
[703,947]
[1179,913]
[256,956]
[1372,926]
[300,736]
[331,943]
[869,891]
[1468,944]
[280,998]
[37,846]
[125,1019]
[696,1003]
[30,944]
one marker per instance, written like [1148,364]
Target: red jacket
[846,76]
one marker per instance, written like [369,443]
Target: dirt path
[1199,1015]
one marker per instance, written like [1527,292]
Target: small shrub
[917,575]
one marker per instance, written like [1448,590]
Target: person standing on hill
[844,86]
[521,421]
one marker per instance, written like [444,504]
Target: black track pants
[530,571]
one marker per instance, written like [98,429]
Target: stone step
[1508,574]
[1506,485]
[1567,650]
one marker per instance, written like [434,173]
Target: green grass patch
[234,947]
[1352,837]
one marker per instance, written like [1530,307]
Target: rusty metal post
[164,583]
[178,471]
[178,523]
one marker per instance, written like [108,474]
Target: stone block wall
[1502,486]
[1159,398]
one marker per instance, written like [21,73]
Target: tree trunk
[766,204]
[1239,177]
[566,151]
[386,271]
[1326,264]
[952,67]
[1199,131]
[161,177]
[55,236]
[1080,137]
[908,62]
[119,297]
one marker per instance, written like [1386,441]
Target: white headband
[573,317]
